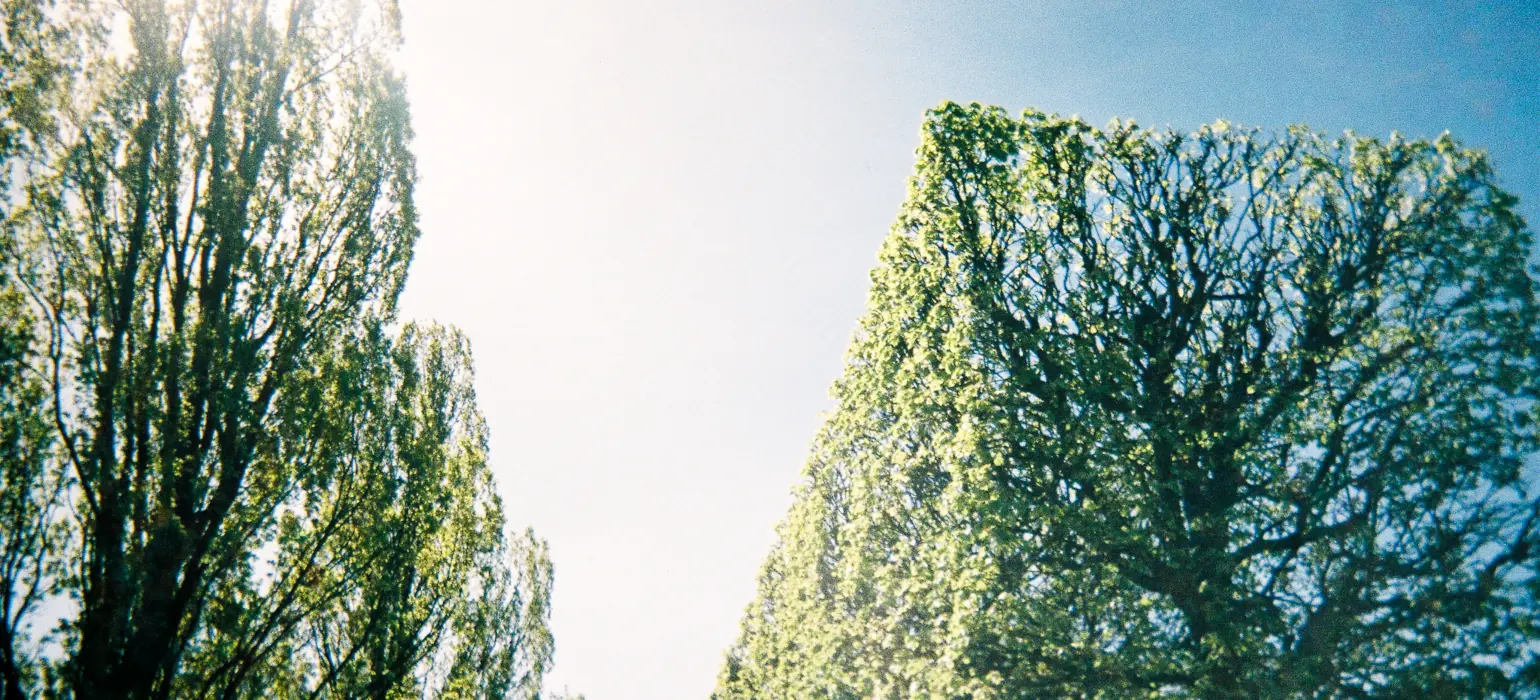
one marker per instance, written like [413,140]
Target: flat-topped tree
[1217,414]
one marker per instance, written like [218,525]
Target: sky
[656,220]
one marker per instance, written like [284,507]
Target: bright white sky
[655,221]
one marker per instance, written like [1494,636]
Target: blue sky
[655,221]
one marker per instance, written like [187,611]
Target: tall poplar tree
[224,475]
[1135,413]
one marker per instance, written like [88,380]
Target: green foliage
[390,573]
[1144,413]
[32,59]
[220,466]
[30,495]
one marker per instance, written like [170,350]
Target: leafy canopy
[1134,412]
[223,475]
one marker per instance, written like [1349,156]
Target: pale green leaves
[1213,414]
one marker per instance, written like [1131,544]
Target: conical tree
[1213,414]
[221,475]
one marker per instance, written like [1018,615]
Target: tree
[220,464]
[392,577]
[30,493]
[1209,414]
